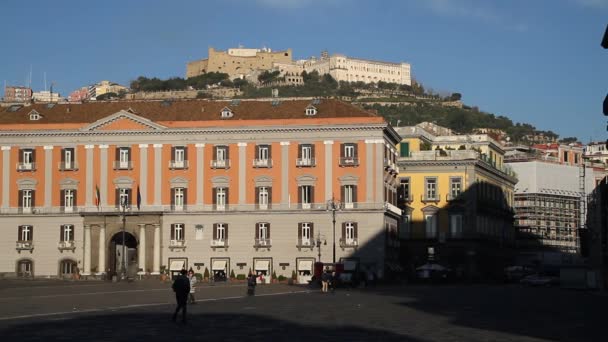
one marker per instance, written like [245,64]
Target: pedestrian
[251,284]
[193,281]
[181,287]
[332,282]
[325,280]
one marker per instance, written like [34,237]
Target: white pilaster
[103,181]
[48,175]
[158,149]
[89,186]
[141,249]
[200,173]
[102,250]
[143,173]
[6,174]
[87,250]
[242,168]
[329,168]
[156,261]
[285,173]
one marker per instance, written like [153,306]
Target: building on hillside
[227,186]
[79,95]
[349,69]
[596,152]
[435,129]
[550,200]
[46,96]
[457,196]
[106,87]
[17,94]
[571,154]
[237,62]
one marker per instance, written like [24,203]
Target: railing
[424,198]
[306,205]
[306,162]
[407,199]
[25,245]
[349,205]
[262,162]
[177,243]
[178,164]
[263,206]
[178,207]
[220,164]
[442,155]
[455,197]
[349,161]
[26,166]
[123,165]
[262,243]
[219,243]
[306,243]
[68,166]
[63,245]
[344,242]
[69,209]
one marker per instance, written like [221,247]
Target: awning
[305,265]
[262,265]
[350,265]
[218,265]
[177,265]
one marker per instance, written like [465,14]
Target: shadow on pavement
[208,327]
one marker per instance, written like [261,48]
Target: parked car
[539,280]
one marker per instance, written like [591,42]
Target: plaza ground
[95,311]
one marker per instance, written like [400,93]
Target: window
[349,196]
[178,198]
[123,198]
[263,156]
[26,199]
[431,226]
[25,268]
[177,232]
[66,233]
[349,150]
[123,158]
[67,267]
[221,158]
[179,154]
[262,233]
[404,149]
[404,191]
[263,197]
[25,233]
[404,231]
[349,233]
[26,160]
[310,110]
[455,187]
[68,200]
[305,234]
[306,196]
[68,159]
[220,234]
[306,155]
[226,113]
[348,155]
[221,198]
[565,156]
[431,188]
[456,226]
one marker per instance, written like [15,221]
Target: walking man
[325,280]
[251,284]
[192,280]
[181,287]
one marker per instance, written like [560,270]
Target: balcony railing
[173,244]
[67,245]
[425,198]
[308,243]
[178,207]
[178,164]
[349,161]
[348,243]
[25,245]
[262,163]
[123,165]
[68,166]
[262,243]
[306,162]
[69,209]
[305,205]
[219,243]
[220,164]
[26,166]
[455,197]
[349,205]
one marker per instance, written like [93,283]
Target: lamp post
[318,241]
[333,206]
[123,204]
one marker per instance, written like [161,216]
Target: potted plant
[274,277]
[232,276]
[206,274]
[163,273]
[282,279]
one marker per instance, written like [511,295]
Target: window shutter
[342,148]
[129,156]
[172,231]
[227,152]
[269,196]
[356,150]
[214,198]
[185,196]
[75,192]
[354,194]
[117,197]
[343,193]
[312,195]
[31,233]
[172,197]
[227,193]
[312,150]
[344,230]
[226,231]
[257,196]
[61,237]
[21,156]
[312,230]
[300,147]
[215,231]
[299,230]
[214,152]
[300,196]
[173,153]
[62,198]
[356,230]
[117,153]
[130,199]
[73,155]
[185,153]
[33,155]
[269,151]
[33,198]
[19,232]
[268,230]
[63,155]
[257,231]
[20,199]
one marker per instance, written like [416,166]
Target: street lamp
[123,205]
[319,244]
[333,205]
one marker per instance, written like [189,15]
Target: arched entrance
[116,256]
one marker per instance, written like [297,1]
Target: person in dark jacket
[251,284]
[181,287]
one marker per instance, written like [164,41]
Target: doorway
[118,259]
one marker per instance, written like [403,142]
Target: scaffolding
[549,219]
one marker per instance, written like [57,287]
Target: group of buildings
[272,187]
[248,63]
[19,94]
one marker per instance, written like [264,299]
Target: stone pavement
[142,311]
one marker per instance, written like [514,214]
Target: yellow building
[456,195]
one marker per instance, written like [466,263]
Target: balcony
[262,163]
[220,207]
[220,164]
[305,205]
[262,243]
[305,243]
[123,165]
[178,164]
[306,162]
[68,166]
[348,243]
[430,199]
[349,205]
[66,245]
[25,246]
[69,209]
[219,243]
[349,161]
[178,207]
[177,244]
[21,167]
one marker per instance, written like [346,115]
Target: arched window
[25,268]
[67,268]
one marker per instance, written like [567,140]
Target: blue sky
[534,61]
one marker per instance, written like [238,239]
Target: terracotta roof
[182,110]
